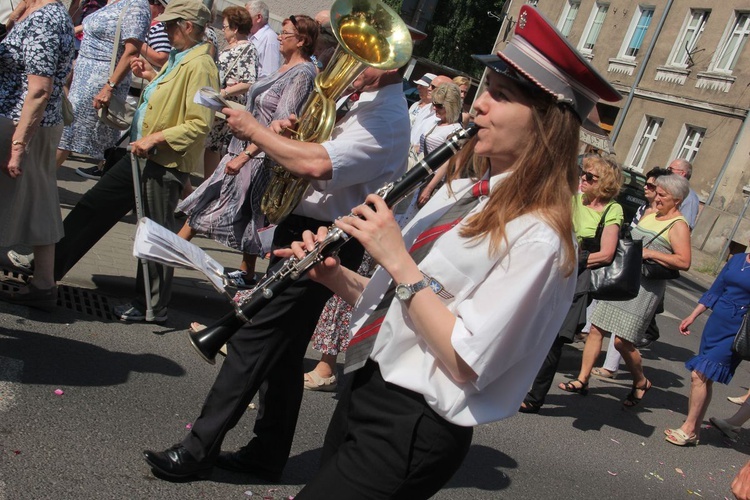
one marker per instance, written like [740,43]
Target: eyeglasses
[588,176]
[287,34]
[651,186]
[438,105]
[225,27]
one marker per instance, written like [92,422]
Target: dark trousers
[268,352]
[102,206]
[385,442]
[546,375]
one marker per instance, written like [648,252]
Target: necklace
[745,264]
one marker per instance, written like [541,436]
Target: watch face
[403,292]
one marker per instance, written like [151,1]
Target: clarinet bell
[209,341]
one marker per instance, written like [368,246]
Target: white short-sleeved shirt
[368,148]
[508,307]
[267,44]
[426,115]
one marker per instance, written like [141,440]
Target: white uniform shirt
[368,148]
[508,307]
[267,44]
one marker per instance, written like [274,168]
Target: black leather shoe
[177,463]
[242,461]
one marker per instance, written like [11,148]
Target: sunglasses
[650,186]
[588,176]
[438,105]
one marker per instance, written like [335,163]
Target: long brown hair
[543,180]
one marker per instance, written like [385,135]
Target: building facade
[683,67]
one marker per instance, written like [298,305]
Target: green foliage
[393,4]
[459,29]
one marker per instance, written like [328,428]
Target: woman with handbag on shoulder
[728,298]
[596,219]
[112,38]
[667,245]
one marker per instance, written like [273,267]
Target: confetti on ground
[695,493]
[661,463]
[614,440]
[249,493]
[657,476]
[611,473]
[643,444]
[251,406]
[679,471]
[189,426]
[59,392]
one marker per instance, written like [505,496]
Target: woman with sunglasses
[666,238]
[238,67]
[481,280]
[601,181]
[612,361]
[226,207]
[446,104]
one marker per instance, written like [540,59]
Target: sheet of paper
[159,244]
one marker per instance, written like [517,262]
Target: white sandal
[314,382]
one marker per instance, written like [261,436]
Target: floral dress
[236,65]
[227,207]
[87,135]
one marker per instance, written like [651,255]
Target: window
[636,32]
[593,27]
[688,39]
[570,11]
[691,142]
[733,43]
[640,150]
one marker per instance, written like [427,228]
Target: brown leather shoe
[32,296]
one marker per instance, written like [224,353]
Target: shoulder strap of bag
[659,233]
[236,60]
[116,43]
[600,227]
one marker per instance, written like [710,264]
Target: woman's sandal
[603,373]
[632,400]
[679,438]
[571,387]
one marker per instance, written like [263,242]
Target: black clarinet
[208,342]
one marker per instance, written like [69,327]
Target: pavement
[81,396]
[109,268]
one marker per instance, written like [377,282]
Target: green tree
[393,4]
[459,29]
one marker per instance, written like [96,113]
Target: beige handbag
[118,113]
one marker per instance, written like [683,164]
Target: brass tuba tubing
[208,342]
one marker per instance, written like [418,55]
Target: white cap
[426,79]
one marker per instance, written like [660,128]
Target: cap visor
[163,18]
[500,66]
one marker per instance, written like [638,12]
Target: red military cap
[540,57]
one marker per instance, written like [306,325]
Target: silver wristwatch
[405,292]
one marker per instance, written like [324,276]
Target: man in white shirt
[421,111]
[690,205]
[367,149]
[264,39]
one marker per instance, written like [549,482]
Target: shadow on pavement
[77,363]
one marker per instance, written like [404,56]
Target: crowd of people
[430,351]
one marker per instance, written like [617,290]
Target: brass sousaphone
[369,34]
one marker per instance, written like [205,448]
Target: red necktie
[360,345]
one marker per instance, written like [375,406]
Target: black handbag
[621,279]
[652,270]
[741,344]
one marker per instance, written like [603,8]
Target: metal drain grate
[74,299]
